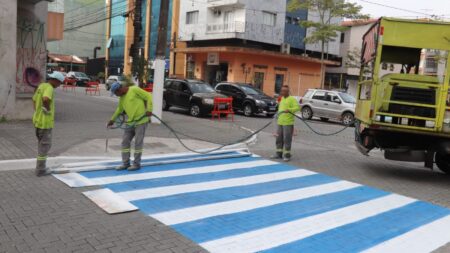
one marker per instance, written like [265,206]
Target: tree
[324,30]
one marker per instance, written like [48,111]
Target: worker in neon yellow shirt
[44,119]
[287,107]
[137,104]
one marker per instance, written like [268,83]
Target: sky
[422,7]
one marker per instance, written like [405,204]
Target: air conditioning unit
[217,12]
[286,48]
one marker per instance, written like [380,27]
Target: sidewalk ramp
[233,201]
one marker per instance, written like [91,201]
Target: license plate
[272,108]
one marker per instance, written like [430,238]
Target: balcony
[219,3]
[233,27]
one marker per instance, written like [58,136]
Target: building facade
[23,53]
[120,34]
[248,41]
[82,41]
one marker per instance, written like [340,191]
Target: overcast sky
[436,7]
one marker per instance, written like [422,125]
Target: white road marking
[180,172]
[277,235]
[212,185]
[426,238]
[240,205]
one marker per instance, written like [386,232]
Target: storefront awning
[252,51]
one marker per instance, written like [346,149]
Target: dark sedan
[248,99]
[195,95]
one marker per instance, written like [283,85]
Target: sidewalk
[44,215]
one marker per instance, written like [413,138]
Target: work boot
[122,167]
[287,157]
[41,173]
[134,167]
[277,156]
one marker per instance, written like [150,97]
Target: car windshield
[347,98]
[249,90]
[80,74]
[201,88]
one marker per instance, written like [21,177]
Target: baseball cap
[57,75]
[114,87]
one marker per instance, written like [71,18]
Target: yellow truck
[403,101]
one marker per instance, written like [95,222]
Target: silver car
[328,105]
[113,79]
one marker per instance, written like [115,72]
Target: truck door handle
[325,103]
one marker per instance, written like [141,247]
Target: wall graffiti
[31,55]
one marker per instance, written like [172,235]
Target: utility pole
[134,50]
[160,61]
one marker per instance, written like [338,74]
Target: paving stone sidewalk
[43,215]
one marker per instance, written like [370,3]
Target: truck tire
[443,162]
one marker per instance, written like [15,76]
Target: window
[319,95]
[269,18]
[192,17]
[342,37]
[259,80]
[279,81]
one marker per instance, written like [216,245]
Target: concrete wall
[23,55]
[8,36]
[81,42]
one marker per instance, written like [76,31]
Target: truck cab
[403,104]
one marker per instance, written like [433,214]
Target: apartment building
[248,41]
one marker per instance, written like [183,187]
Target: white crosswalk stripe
[423,239]
[240,205]
[211,185]
[273,236]
[180,172]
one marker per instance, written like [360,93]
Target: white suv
[328,105]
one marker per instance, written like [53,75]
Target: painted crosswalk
[248,204]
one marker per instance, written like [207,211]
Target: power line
[398,8]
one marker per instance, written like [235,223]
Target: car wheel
[165,106]
[248,110]
[307,113]
[348,119]
[324,119]
[195,110]
[443,162]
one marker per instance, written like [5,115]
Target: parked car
[113,79]
[80,78]
[195,95]
[248,99]
[328,105]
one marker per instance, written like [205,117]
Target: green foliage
[324,30]
[353,60]
[101,75]
[128,80]
[139,67]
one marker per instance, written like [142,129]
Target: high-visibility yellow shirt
[40,119]
[133,104]
[290,104]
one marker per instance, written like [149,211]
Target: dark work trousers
[138,133]
[44,137]
[284,140]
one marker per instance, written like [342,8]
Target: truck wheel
[443,162]
[307,113]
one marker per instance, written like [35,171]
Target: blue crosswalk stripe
[249,204]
